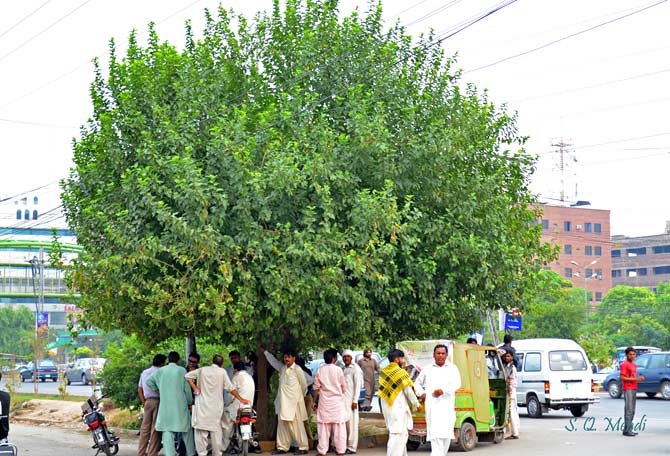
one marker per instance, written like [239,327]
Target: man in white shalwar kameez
[290,403]
[245,386]
[397,393]
[211,381]
[437,385]
[353,378]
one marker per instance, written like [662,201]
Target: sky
[589,74]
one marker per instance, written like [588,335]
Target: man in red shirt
[629,379]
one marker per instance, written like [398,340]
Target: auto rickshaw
[482,403]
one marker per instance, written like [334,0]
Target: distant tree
[599,348]
[634,316]
[17,330]
[558,310]
[307,179]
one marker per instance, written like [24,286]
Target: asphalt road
[75,389]
[557,433]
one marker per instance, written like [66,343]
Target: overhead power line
[35,124]
[41,32]
[24,18]
[10,198]
[567,37]
[593,86]
[656,135]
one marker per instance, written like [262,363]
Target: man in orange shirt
[629,379]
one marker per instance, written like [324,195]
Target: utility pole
[565,156]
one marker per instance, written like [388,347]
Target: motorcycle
[245,435]
[7,449]
[104,440]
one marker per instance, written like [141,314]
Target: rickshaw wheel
[467,437]
[412,445]
[498,437]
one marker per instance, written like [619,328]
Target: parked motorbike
[245,437]
[7,449]
[104,440]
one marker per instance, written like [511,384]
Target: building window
[34,215]
[18,214]
[35,200]
[588,273]
[599,274]
[598,250]
[637,252]
[567,249]
[545,224]
[616,253]
[631,272]
[26,214]
[597,227]
[587,227]
[661,249]
[588,250]
[616,273]
[566,226]
[599,296]
[658,270]
[642,272]
[568,273]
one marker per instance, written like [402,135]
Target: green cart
[482,403]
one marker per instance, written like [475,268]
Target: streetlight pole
[34,264]
[586,295]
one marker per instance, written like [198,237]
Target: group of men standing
[193,407]
[335,402]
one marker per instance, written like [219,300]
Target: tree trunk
[263,424]
[190,347]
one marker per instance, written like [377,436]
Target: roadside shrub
[120,376]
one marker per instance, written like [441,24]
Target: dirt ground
[65,414]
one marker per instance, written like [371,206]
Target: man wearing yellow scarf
[397,393]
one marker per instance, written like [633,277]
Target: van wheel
[534,407]
[614,390]
[578,410]
[665,390]
[467,437]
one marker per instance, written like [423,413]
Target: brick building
[583,235]
[641,261]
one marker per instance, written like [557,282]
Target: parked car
[599,375]
[553,374]
[46,370]
[315,364]
[84,370]
[655,367]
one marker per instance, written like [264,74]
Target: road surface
[556,434]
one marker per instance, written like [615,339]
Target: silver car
[84,370]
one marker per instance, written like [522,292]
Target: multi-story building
[26,276]
[583,236]
[641,261]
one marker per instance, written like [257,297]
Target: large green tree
[302,178]
[18,330]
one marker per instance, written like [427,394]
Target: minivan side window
[533,363]
[519,360]
[566,360]
[642,361]
[657,362]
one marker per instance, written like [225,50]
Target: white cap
[347,353]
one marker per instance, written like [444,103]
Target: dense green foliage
[121,375]
[558,311]
[626,316]
[17,330]
[303,178]
[635,316]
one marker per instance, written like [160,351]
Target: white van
[553,374]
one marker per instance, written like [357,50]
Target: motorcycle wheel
[105,448]
[115,449]
[245,448]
